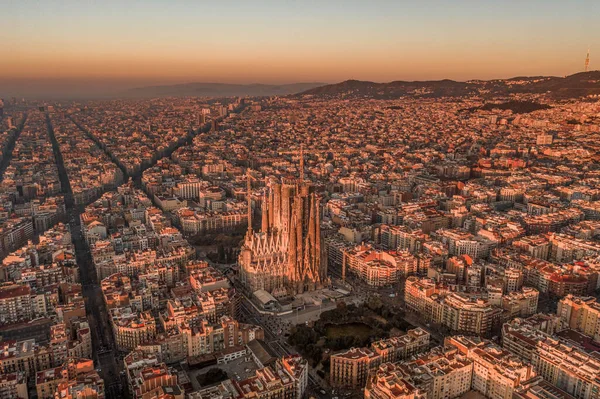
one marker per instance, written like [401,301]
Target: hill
[517,107]
[396,89]
[219,90]
[577,85]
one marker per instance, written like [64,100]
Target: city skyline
[104,47]
[300,200]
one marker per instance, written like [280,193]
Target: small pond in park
[359,330]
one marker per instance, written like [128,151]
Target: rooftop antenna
[587,61]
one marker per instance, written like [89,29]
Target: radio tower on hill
[587,61]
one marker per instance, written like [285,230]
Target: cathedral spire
[265,213]
[301,163]
[289,258]
[320,259]
[249,198]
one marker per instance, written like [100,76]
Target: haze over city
[299,199]
[107,46]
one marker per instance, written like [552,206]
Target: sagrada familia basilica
[287,256]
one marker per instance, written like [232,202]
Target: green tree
[212,376]
[375,304]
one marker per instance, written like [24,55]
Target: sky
[105,44]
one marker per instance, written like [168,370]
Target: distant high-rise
[223,110]
[587,61]
[285,257]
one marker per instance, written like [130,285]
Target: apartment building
[446,372]
[564,365]
[581,314]
[497,373]
[286,378]
[378,268]
[459,311]
[15,303]
[351,368]
[13,385]
[131,328]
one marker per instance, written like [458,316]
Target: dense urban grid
[313,245]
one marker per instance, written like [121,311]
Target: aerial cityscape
[296,213]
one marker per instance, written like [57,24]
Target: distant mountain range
[577,85]
[220,90]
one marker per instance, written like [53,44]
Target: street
[105,353]
[277,342]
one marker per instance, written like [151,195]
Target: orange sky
[272,41]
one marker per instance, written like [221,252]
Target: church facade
[286,256]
